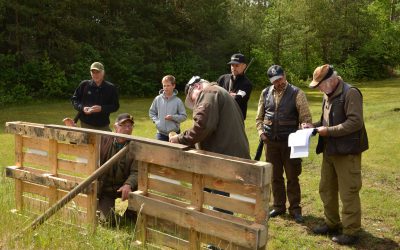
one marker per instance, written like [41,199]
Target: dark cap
[275,72]
[124,117]
[237,59]
[320,74]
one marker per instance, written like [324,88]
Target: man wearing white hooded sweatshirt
[167,110]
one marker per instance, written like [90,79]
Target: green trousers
[341,176]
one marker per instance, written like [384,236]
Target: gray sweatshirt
[163,106]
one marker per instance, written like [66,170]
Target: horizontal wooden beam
[253,236]
[43,179]
[206,163]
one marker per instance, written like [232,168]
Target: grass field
[380,195]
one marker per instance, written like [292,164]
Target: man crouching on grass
[121,179]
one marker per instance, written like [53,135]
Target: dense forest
[47,46]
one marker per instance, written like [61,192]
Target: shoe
[324,229]
[345,239]
[298,218]
[275,213]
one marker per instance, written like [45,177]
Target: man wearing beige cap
[95,99]
[342,139]
[282,107]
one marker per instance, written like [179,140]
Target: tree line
[46,47]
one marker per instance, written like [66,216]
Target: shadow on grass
[366,241]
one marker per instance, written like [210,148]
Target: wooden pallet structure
[175,211]
[173,208]
[49,162]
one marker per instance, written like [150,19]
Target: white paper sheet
[299,142]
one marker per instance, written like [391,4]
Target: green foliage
[46,47]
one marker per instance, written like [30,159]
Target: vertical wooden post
[93,164]
[53,165]
[18,163]
[262,204]
[197,204]
[143,175]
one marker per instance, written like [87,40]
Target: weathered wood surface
[205,163]
[244,235]
[43,179]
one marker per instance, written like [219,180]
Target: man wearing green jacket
[121,178]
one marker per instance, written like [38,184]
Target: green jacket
[125,171]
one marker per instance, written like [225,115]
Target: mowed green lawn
[380,195]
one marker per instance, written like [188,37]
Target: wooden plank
[35,159]
[73,167]
[229,204]
[44,179]
[166,240]
[170,173]
[93,164]
[19,164]
[167,227]
[34,205]
[80,150]
[36,143]
[168,200]
[243,235]
[178,191]
[262,205]
[229,217]
[40,131]
[197,200]
[202,162]
[79,201]
[35,189]
[53,164]
[230,187]
[143,175]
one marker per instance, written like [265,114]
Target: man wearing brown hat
[237,83]
[281,109]
[95,99]
[342,139]
[121,178]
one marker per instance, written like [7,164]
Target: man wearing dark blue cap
[236,83]
[281,109]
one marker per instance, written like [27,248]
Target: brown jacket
[217,124]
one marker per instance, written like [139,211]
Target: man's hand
[87,110]
[263,137]
[323,131]
[174,139]
[125,190]
[233,94]
[168,117]
[96,109]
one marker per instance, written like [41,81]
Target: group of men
[219,111]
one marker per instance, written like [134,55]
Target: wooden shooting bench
[173,208]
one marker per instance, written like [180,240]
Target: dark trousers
[278,153]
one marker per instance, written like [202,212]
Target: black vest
[284,118]
[353,143]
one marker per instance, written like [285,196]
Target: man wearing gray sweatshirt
[167,110]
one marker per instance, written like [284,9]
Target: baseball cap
[97,66]
[188,90]
[320,74]
[275,72]
[237,59]
[124,117]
